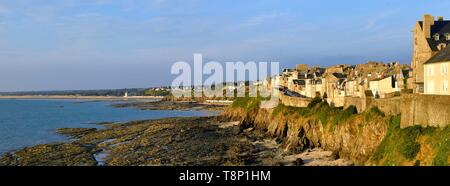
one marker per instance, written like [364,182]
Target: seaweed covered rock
[60,154]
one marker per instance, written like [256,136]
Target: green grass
[248,103]
[342,115]
[385,146]
[312,108]
[398,141]
[320,110]
[404,143]
[241,102]
[323,113]
[442,140]
[288,110]
[441,158]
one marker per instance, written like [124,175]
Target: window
[444,69]
[430,86]
[444,86]
[441,46]
[447,36]
[430,70]
[436,37]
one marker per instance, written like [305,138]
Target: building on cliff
[382,87]
[436,73]
[337,82]
[334,84]
[430,37]
[387,86]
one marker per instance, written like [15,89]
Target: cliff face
[352,136]
[354,139]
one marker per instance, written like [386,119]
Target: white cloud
[374,21]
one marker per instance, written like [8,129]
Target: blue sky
[92,44]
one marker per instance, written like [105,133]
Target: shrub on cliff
[377,111]
[402,146]
[374,111]
[340,116]
[314,102]
[409,147]
[352,109]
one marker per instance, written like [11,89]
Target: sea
[25,123]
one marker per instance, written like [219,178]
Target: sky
[102,44]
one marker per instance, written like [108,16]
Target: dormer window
[436,37]
[447,36]
[441,46]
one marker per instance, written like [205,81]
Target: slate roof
[440,27]
[339,75]
[299,82]
[442,56]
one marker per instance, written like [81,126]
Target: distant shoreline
[83,97]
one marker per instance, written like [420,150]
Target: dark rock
[299,162]
[75,132]
[335,155]
[279,140]
[249,130]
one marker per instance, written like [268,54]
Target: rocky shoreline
[202,141]
[171,105]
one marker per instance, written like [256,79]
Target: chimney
[428,21]
[441,18]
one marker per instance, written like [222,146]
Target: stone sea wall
[425,110]
[416,109]
[294,101]
[389,106]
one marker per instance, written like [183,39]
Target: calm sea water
[30,122]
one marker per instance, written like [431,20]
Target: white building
[436,73]
[381,87]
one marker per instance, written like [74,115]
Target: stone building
[302,67]
[430,37]
[357,87]
[334,85]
